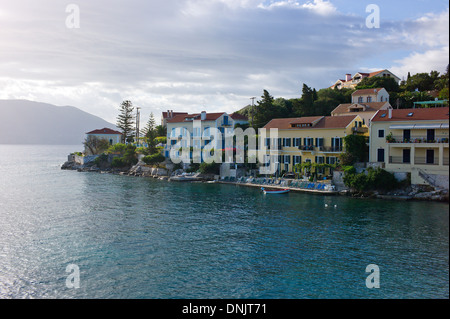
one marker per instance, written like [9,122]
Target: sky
[207,55]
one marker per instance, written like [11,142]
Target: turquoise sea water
[145,238]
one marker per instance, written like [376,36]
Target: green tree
[379,82]
[95,145]
[308,96]
[264,110]
[357,147]
[420,81]
[150,128]
[125,121]
[161,130]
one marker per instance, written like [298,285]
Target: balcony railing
[419,139]
[306,148]
[417,160]
[331,148]
[360,129]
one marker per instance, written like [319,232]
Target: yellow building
[316,139]
[366,103]
[414,141]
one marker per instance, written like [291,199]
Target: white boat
[185,178]
[275,191]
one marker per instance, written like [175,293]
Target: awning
[418,126]
[402,127]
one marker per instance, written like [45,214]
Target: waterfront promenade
[324,187]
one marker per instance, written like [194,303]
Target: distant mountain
[27,122]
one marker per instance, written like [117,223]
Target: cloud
[191,54]
[321,7]
[425,62]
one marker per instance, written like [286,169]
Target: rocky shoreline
[413,192]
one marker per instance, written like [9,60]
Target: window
[308,141]
[380,133]
[336,144]
[297,141]
[286,142]
[319,141]
[360,99]
[297,159]
[369,99]
[287,159]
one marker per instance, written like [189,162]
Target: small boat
[275,191]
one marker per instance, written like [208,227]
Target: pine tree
[149,130]
[125,121]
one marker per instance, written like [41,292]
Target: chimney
[348,77]
[390,113]
[203,116]
[168,114]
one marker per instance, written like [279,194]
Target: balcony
[331,149]
[306,148]
[418,139]
[361,130]
[417,160]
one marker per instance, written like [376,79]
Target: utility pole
[138,133]
[253,105]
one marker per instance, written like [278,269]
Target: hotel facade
[414,141]
[317,139]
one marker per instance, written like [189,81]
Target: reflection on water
[145,238]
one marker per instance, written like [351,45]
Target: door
[407,156]
[430,135]
[380,155]
[430,156]
[406,135]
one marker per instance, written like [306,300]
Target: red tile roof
[166,115]
[182,118]
[370,107]
[319,122]
[104,131]
[418,114]
[367,91]
[237,116]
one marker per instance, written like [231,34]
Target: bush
[194,167]
[118,162]
[129,156]
[101,159]
[375,179]
[381,180]
[209,168]
[154,159]
[161,139]
[118,148]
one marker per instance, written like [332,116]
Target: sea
[81,235]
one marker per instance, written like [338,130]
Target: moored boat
[275,191]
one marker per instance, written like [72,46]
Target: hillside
[28,122]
